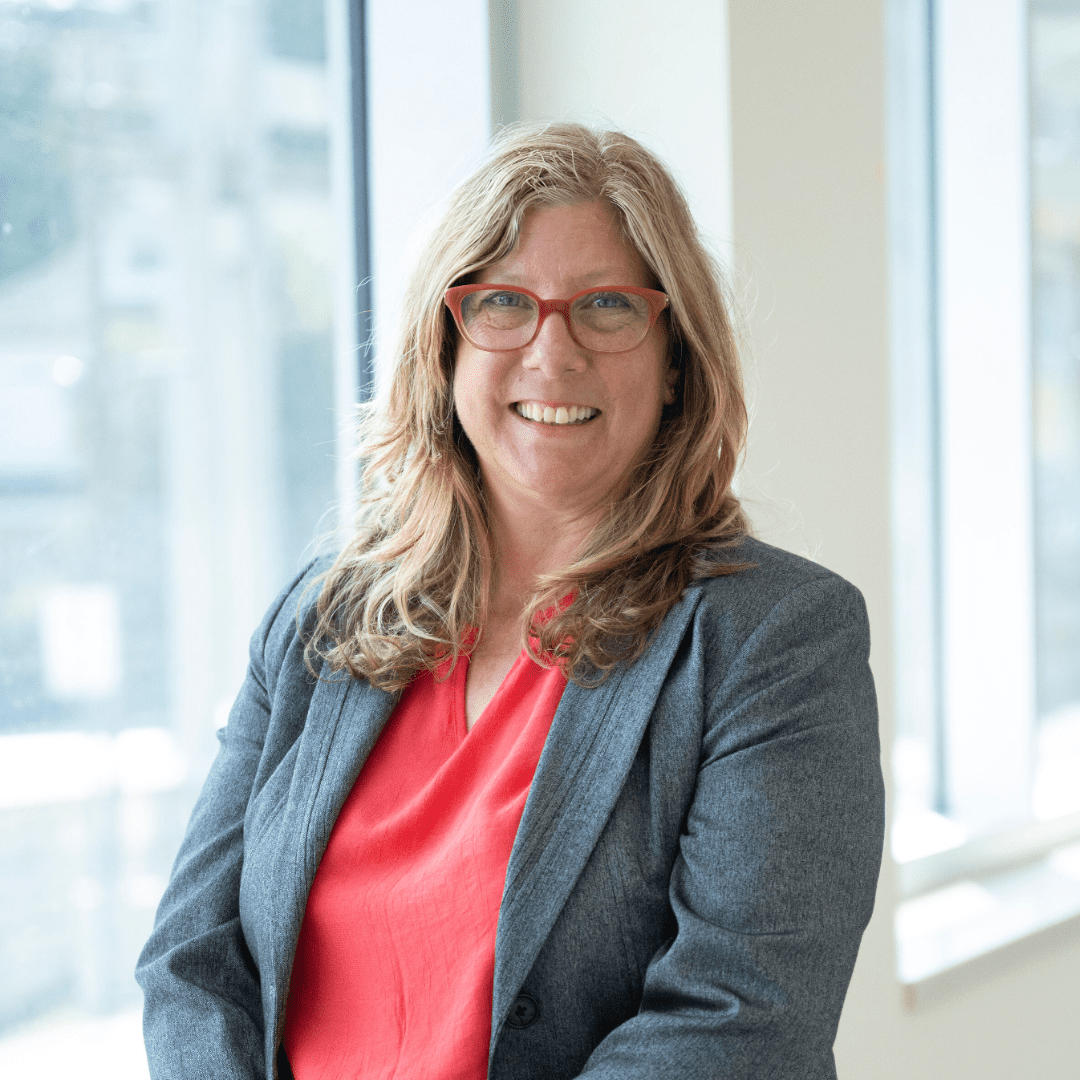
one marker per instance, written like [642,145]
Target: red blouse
[394,968]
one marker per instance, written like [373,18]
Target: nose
[553,351]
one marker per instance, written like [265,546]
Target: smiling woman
[539,776]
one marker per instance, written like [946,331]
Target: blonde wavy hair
[416,575]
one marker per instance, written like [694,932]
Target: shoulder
[770,575]
[777,589]
[281,636]
[783,648]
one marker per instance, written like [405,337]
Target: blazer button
[522,1012]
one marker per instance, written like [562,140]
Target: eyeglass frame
[658,303]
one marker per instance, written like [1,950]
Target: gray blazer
[692,874]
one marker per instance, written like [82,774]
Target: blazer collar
[590,748]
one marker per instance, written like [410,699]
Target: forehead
[569,246]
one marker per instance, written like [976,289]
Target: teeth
[545,414]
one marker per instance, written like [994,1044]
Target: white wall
[658,72]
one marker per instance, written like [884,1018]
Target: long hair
[416,575]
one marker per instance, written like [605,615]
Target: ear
[671,383]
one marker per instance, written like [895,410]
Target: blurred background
[167,443]
[207,210]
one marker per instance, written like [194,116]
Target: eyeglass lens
[603,321]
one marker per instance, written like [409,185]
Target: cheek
[463,378]
[473,385]
[461,396]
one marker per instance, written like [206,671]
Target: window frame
[953,306]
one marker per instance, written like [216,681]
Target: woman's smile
[540,412]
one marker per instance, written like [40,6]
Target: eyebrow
[596,277]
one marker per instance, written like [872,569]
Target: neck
[530,542]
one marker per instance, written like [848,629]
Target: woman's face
[573,468]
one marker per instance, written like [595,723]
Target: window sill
[947,936]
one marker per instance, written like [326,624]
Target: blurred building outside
[168,453]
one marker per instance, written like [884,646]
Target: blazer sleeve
[203,1011]
[775,876]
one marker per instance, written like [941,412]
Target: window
[985,191]
[178,327]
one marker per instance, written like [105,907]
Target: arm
[774,880]
[203,1014]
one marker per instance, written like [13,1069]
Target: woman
[656,852]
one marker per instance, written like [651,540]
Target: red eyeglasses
[499,318]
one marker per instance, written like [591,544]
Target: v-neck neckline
[461,675]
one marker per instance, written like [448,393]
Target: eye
[505,299]
[607,301]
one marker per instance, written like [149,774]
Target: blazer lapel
[359,712]
[593,740]
[344,720]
